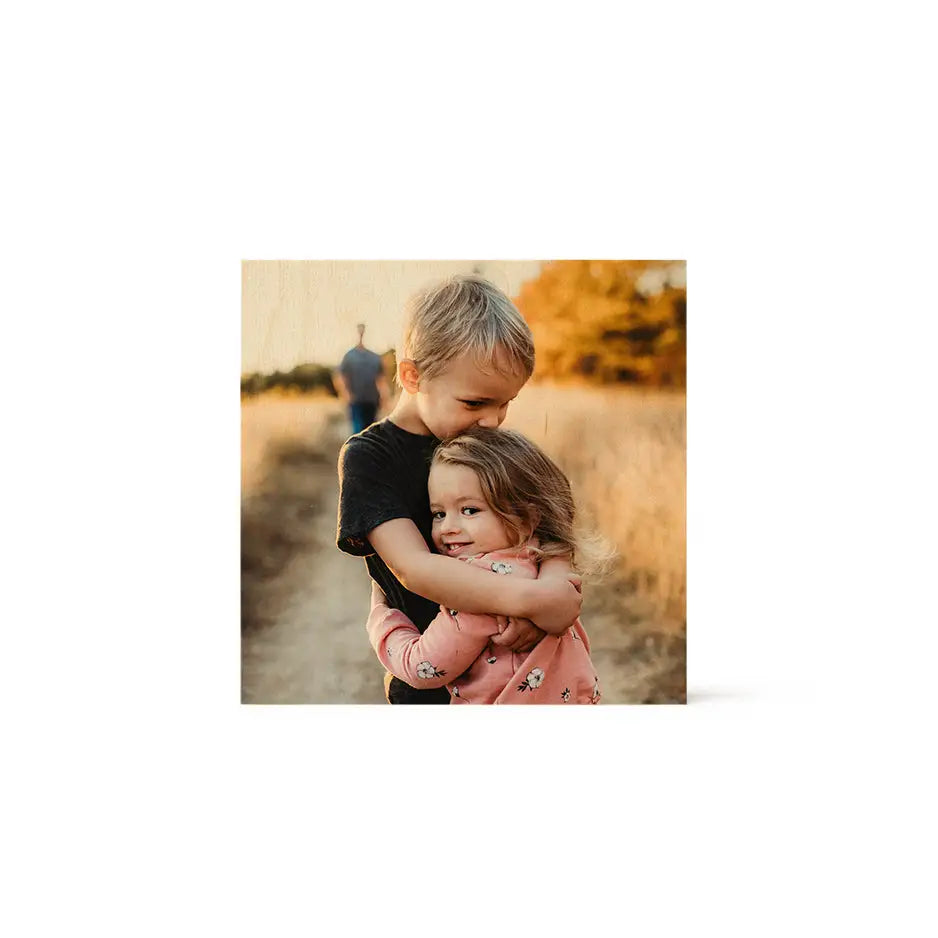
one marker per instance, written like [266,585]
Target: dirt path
[304,603]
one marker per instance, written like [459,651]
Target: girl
[499,503]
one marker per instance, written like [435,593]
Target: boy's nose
[490,421]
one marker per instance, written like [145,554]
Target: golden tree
[609,321]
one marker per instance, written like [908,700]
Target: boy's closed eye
[484,403]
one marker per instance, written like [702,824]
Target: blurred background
[607,402]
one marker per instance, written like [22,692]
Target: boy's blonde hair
[464,314]
[528,492]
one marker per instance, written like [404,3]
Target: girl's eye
[469,510]
[438,516]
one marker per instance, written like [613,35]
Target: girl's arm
[433,659]
[553,603]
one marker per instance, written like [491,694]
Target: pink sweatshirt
[456,651]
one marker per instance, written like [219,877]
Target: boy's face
[463,396]
[463,523]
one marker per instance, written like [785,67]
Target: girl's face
[463,523]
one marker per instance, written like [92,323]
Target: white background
[784,152]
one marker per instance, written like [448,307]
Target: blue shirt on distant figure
[360,372]
[361,368]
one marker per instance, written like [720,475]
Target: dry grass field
[304,603]
[276,420]
[624,453]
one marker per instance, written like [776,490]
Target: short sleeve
[367,495]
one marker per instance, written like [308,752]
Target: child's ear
[408,375]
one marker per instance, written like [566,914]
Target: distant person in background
[360,382]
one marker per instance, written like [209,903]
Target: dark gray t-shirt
[383,475]
[360,369]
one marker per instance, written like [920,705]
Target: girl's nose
[450,524]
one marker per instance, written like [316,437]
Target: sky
[294,312]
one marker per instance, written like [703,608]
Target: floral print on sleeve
[534,679]
[426,670]
[501,567]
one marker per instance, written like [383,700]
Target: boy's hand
[519,635]
[560,571]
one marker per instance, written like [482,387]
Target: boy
[466,353]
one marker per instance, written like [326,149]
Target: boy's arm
[553,603]
[523,634]
[433,659]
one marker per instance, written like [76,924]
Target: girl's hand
[520,635]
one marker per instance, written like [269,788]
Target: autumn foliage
[609,322]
